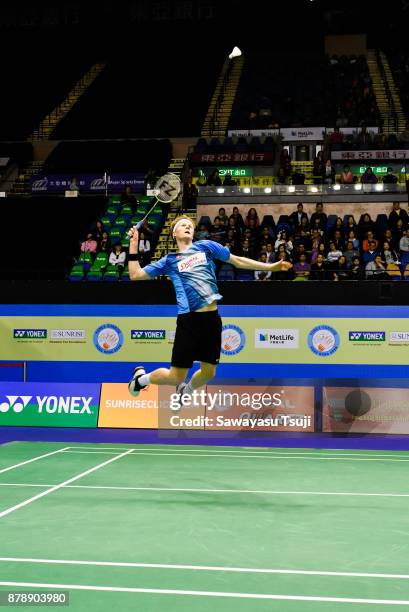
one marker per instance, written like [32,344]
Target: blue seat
[244,275]
[226,272]
[332,219]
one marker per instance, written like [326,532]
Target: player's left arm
[244,263]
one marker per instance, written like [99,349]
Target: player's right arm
[135,270]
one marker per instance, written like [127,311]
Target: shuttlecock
[235,53]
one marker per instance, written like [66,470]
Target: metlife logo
[49,405]
[30,334]
[277,338]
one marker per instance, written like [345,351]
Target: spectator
[368,239]
[350,225]
[341,269]
[368,177]
[262,275]
[389,255]
[297,216]
[321,250]
[217,231]
[333,254]
[298,178]
[229,181]
[319,269]
[347,178]
[285,162]
[365,225]
[328,175]
[350,253]
[319,214]
[97,230]
[265,237]
[238,219]
[283,274]
[282,179]
[150,179]
[282,253]
[363,137]
[282,238]
[190,194]
[390,178]
[338,240]
[339,226]
[270,253]
[127,197]
[397,213]
[89,244]
[302,268]
[202,233]
[224,219]
[351,236]
[404,242]
[252,214]
[370,254]
[375,269]
[318,168]
[399,230]
[117,257]
[356,272]
[303,234]
[105,244]
[214,179]
[337,137]
[247,250]
[144,249]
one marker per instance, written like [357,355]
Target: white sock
[188,389]
[145,379]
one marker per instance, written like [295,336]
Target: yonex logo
[15,402]
[367,336]
[148,334]
[33,334]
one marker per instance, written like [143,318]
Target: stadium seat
[331,222]
[244,275]
[393,271]
[406,272]
[268,221]
[94,273]
[381,224]
[111,273]
[226,272]
[404,260]
[77,273]
[125,275]
[101,260]
[85,259]
[205,219]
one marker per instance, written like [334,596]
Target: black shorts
[198,338]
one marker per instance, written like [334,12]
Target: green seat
[85,259]
[126,210]
[135,219]
[111,273]
[116,199]
[112,209]
[146,200]
[121,221]
[94,273]
[116,235]
[101,260]
[76,273]
[106,222]
[142,210]
[125,274]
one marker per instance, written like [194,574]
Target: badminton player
[198,330]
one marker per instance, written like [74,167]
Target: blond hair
[177,219]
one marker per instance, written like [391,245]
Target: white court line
[79,452]
[89,587]
[185,490]
[264,451]
[13,467]
[282,453]
[204,568]
[259,456]
[62,484]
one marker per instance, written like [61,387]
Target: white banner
[381,155]
[246,133]
[4,161]
[354,130]
[299,134]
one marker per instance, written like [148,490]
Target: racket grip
[139,224]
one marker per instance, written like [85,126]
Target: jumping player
[198,330]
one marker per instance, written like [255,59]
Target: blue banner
[86,183]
